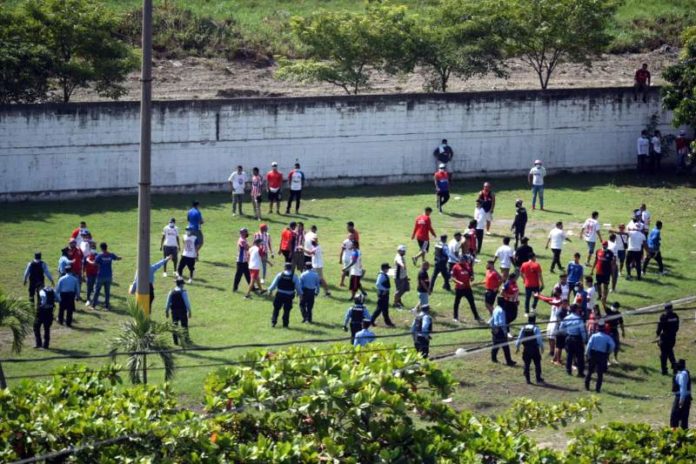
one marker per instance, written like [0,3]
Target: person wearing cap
[242,259]
[170,244]
[462,276]
[35,273]
[479,226]
[255,265]
[603,267]
[85,242]
[401,280]
[365,336]
[422,230]
[356,271]
[66,289]
[654,241]
[189,254]
[274,183]
[257,184]
[614,321]
[443,154]
[105,275]
[421,328]
[535,179]
[237,180]
[265,248]
[441,259]
[681,386]
[355,315]
[180,306]
[454,250]
[487,199]
[383,285]
[681,143]
[311,284]
[76,256]
[499,330]
[533,346]
[442,186]
[153,271]
[667,328]
[78,232]
[44,316]
[287,284]
[195,222]
[90,271]
[296,181]
[599,347]
[519,223]
[573,326]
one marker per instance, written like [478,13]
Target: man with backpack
[44,316]
[441,260]
[420,329]
[355,315]
[178,303]
[519,224]
[288,284]
[667,329]
[681,387]
[35,273]
[443,154]
[383,285]
[599,347]
[533,346]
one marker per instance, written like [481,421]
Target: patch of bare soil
[199,78]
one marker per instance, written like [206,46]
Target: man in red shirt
[442,186]
[487,199]
[604,265]
[492,282]
[462,277]
[533,281]
[75,254]
[274,182]
[287,241]
[350,227]
[91,269]
[421,232]
[641,82]
[511,298]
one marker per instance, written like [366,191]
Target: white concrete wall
[58,150]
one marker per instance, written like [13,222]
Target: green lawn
[634,390]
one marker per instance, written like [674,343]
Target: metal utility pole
[142,295]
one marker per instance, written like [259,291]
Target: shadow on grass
[627,396]
[551,386]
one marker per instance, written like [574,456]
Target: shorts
[190,263]
[254,274]
[489,296]
[591,247]
[170,251]
[602,278]
[274,196]
[355,283]
[489,216]
[621,254]
[424,245]
[258,199]
[423,298]
[560,341]
[199,235]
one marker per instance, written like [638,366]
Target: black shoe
[665,373]
[391,325]
[273,324]
[494,360]
[511,363]
[539,380]
[587,386]
[37,347]
[529,382]
[581,374]
[598,391]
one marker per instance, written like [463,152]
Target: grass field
[634,390]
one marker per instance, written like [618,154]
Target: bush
[646,34]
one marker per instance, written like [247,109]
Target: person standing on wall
[195,224]
[487,198]
[535,178]
[443,154]
[681,386]
[35,273]
[667,329]
[296,182]
[442,186]
[519,224]
[237,181]
[170,244]
[641,82]
[274,184]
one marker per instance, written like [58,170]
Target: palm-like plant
[17,316]
[139,335]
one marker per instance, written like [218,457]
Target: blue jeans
[537,190]
[106,283]
[423,298]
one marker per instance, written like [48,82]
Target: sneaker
[327,294]
[263,281]
[455,320]
[510,335]
[88,303]
[662,273]
[539,380]
[247,297]
[164,274]
[190,280]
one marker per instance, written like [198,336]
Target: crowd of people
[581,324]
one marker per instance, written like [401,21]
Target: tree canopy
[680,95]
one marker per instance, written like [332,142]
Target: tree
[680,95]
[547,33]
[344,47]
[141,334]
[24,63]
[79,35]
[17,316]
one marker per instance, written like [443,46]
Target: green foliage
[455,38]
[680,95]
[344,47]
[546,33]
[17,316]
[140,334]
[84,51]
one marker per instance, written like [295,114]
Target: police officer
[383,285]
[355,316]
[614,320]
[441,260]
[287,284]
[66,290]
[180,306]
[44,316]
[667,329]
[533,346]
[576,336]
[365,336]
[35,273]
[499,330]
[420,329]
[599,347]
[311,284]
[681,386]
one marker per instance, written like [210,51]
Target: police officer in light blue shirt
[311,284]
[533,344]
[681,386]
[287,284]
[576,336]
[365,336]
[67,288]
[499,329]
[599,346]
[153,271]
[420,329]
[355,315]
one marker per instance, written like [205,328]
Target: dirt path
[197,78]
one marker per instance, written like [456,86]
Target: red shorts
[254,274]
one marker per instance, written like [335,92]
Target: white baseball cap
[442,166]
[274,164]
[537,161]
[401,248]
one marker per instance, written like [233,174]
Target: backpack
[529,338]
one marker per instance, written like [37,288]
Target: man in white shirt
[535,178]
[189,254]
[556,238]
[400,276]
[504,254]
[645,218]
[170,244]
[590,233]
[317,259]
[237,180]
[255,266]
[296,180]
[656,155]
[309,238]
[642,150]
[480,217]
[634,255]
